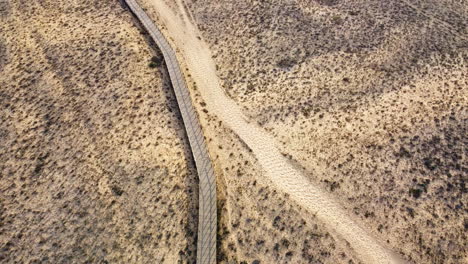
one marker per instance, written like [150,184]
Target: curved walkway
[206,245]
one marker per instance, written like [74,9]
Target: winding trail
[196,54]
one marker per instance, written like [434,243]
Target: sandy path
[284,176]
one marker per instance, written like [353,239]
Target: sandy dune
[283,175]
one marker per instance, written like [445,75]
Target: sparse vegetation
[83,174]
[337,19]
[286,63]
[156,61]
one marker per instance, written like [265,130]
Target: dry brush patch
[94,164]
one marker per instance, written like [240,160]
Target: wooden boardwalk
[206,244]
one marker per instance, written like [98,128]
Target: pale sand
[197,56]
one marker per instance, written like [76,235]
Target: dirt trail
[283,175]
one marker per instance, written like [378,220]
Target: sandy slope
[198,59]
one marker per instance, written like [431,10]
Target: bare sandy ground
[282,174]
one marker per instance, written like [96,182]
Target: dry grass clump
[94,165]
[367,96]
[3,54]
[4,8]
